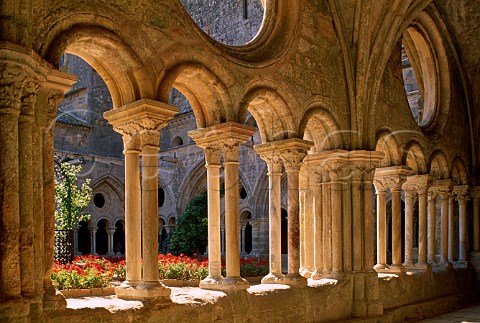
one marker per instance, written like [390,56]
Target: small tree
[191,234]
[69,198]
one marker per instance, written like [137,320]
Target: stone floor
[466,315]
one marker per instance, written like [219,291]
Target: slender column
[381,191]
[25,142]
[369,235]
[222,236]
[230,154]
[451,227]
[110,232]
[358,219]
[143,120]
[395,181]
[318,224]
[462,194]
[292,155]
[133,220]
[212,164]
[444,195]
[432,196]
[422,228]
[476,219]
[150,140]
[93,240]
[307,226]
[274,164]
[11,85]
[409,195]
[327,225]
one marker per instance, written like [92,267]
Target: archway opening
[84,245]
[119,239]
[102,237]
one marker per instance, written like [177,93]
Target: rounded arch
[318,126]
[459,171]
[204,90]
[438,165]
[105,219]
[387,143]
[414,158]
[271,111]
[116,62]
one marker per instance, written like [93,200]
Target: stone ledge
[102,291]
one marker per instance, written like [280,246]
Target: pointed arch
[459,171]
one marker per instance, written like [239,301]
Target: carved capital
[150,138]
[274,162]
[462,193]
[213,155]
[29,97]
[338,170]
[432,195]
[12,80]
[292,159]
[381,185]
[231,147]
[131,142]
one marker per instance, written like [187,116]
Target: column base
[461,264]
[211,282]
[273,279]
[392,270]
[54,301]
[444,265]
[378,267]
[144,290]
[295,280]
[15,309]
[316,275]
[305,272]
[234,284]
[421,266]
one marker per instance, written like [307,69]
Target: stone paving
[466,315]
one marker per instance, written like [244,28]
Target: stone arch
[169,196]
[271,111]
[260,196]
[459,172]
[387,143]
[192,185]
[125,74]
[438,165]
[414,158]
[318,126]
[204,90]
[112,183]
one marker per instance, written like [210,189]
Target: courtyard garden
[95,271]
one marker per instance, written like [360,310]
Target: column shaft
[408,228]
[318,230]
[275,230]
[451,231]
[444,228]
[336,198]
[150,213]
[396,229]
[327,228]
[358,225]
[369,258]
[463,231]
[133,220]
[214,243]
[422,228]
[308,237]
[476,224]
[381,230]
[431,227]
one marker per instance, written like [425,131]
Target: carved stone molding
[274,162]
[462,193]
[442,188]
[231,147]
[12,80]
[394,176]
[150,138]
[29,97]
[417,184]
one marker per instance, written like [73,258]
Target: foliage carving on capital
[462,193]
[274,162]
[292,159]
[213,155]
[381,185]
[131,142]
[338,171]
[150,138]
[29,96]
[432,195]
[12,79]
[395,182]
[231,147]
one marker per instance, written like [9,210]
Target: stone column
[93,240]
[292,153]
[306,204]
[444,191]
[274,165]
[410,187]
[222,237]
[395,176]
[423,182]
[110,232]
[451,228]
[317,222]
[381,188]
[228,136]
[432,196]
[25,142]
[462,194]
[142,121]
[212,164]
[11,84]
[476,219]
[133,220]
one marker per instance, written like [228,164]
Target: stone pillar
[476,219]
[462,194]
[274,165]
[432,197]
[110,232]
[93,240]
[317,223]
[451,228]
[212,164]
[395,176]
[141,122]
[222,237]
[422,182]
[292,153]
[410,187]
[228,136]
[381,188]
[11,84]
[306,204]
[444,191]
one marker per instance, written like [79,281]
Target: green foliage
[192,228]
[70,199]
